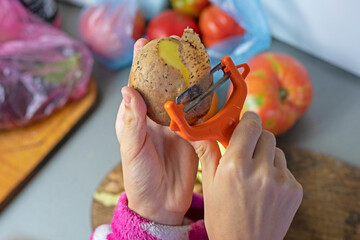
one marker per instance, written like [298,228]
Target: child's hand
[159,166]
[249,194]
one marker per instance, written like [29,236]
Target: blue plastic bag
[106,27]
[250,15]
[151,8]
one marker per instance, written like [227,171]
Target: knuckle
[226,173]
[266,171]
[298,193]
[298,188]
[280,152]
[294,187]
[231,167]
[268,136]
[265,177]
[280,162]
[201,150]
[268,184]
[131,120]
[281,176]
[280,155]
[252,125]
[233,170]
[252,115]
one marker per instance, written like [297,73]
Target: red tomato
[170,23]
[279,90]
[139,25]
[216,25]
[189,7]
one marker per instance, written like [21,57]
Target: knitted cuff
[128,225]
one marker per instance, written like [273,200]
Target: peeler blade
[189,95]
[195,92]
[198,99]
[218,67]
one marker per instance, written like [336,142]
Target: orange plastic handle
[221,126]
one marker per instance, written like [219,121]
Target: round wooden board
[330,209]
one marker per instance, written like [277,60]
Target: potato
[166,67]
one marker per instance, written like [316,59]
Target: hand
[159,166]
[249,193]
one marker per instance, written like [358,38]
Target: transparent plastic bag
[257,38]
[151,8]
[41,68]
[250,15]
[107,28]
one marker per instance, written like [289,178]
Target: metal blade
[194,91]
[197,100]
[189,95]
[216,68]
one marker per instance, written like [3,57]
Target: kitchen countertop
[56,203]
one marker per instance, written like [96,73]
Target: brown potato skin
[158,82]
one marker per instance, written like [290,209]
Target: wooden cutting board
[330,209]
[22,150]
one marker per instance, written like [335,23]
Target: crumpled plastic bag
[257,38]
[107,29]
[250,15]
[41,68]
[152,8]
[107,26]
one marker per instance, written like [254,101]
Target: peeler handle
[221,126]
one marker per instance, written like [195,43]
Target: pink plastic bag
[108,30]
[41,68]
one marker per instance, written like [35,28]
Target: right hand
[249,192]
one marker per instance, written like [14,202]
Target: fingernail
[126,97]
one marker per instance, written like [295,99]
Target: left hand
[159,167]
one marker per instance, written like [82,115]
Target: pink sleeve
[127,225]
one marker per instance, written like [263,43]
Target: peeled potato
[166,67]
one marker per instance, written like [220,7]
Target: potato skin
[159,82]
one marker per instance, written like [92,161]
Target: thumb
[131,123]
[209,154]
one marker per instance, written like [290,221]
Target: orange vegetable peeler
[221,126]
